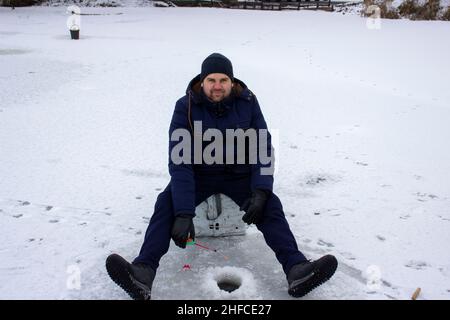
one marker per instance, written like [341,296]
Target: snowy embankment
[363,159]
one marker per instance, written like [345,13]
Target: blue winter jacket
[240,110]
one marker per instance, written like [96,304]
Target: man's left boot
[305,276]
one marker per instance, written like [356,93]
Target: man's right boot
[305,276]
[135,279]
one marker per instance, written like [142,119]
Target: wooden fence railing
[257,5]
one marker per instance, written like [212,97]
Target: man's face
[217,86]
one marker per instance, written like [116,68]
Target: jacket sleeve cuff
[184,213]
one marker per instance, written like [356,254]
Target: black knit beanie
[216,63]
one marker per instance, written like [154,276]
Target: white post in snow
[373,21]
[74,21]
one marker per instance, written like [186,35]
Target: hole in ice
[228,282]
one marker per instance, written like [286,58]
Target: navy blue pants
[273,225]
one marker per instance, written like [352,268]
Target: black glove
[254,206]
[182,230]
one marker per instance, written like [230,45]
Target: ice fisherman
[217,100]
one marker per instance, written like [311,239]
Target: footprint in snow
[324,243]
[417,264]
[348,255]
[425,196]
[316,180]
[444,218]
[320,179]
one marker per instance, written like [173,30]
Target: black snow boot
[305,276]
[135,279]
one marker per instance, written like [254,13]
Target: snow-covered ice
[362,118]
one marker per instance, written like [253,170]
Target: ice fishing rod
[96,14]
[191,242]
